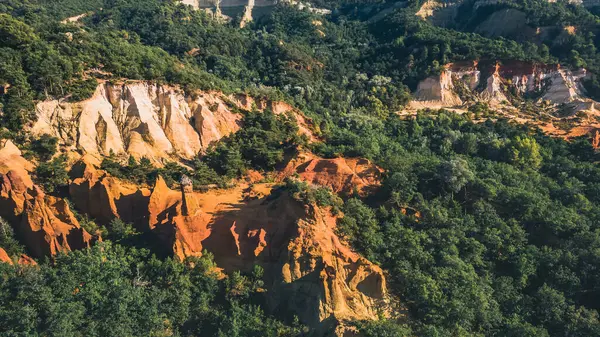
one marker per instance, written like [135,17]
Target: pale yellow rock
[213,120]
[436,92]
[564,86]
[11,159]
[494,93]
[176,124]
[140,119]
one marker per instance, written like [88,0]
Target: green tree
[525,152]
[53,174]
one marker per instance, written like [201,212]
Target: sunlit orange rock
[309,271]
[342,175]
[45,223]
[4,258]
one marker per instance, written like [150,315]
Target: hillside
[299,168]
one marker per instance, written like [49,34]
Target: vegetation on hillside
[485,229]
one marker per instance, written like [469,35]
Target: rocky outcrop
[439,13]
[143,120]
[23,260]
[44,223]
[550,83]
[178,220]
[4,258]
[342,175]
[436,92]
[494,91]
[310,272]
[11,159]
[104,197]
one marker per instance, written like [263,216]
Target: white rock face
[493,92]
[140,119]
[565,86]
[555,85]
[437,91]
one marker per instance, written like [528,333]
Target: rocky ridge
[252,224]
[461,83]
[44,223]
[341,175]
[147,120]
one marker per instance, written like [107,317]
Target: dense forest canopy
[484,229]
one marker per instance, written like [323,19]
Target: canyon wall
[45,224]
[147,120]
[501,84]
[309,271]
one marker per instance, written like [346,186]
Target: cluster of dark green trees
[484,229]
[325,65]
[110,290]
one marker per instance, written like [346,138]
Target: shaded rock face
[493,84]
[104,197]
[44,223]
[310,272]
[342,175]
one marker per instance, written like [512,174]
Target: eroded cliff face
[44,223]
[104,197]
[146,120]
[498,84]
[341,175]
[437,92]
[141,119]
[310,272]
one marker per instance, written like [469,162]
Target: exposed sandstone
[436,92]
[4,258]
[556,85]
[146,120]
[48,226]
[104,197]
[45,224]
[23,260]
[178,220]
[13,192]
[11,159]
[309,270]
[141,119]
[342,175]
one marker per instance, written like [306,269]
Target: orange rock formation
[310,271]
[104,197]
[342,175]
[4,258]
[23,260]
[45,224]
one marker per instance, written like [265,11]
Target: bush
[53,174]
[8,241]
[44,147]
